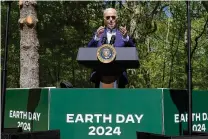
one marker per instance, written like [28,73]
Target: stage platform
[105,113]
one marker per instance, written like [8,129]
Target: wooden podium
[126,58]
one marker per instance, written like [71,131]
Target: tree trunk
[29,44]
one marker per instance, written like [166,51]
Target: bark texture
[29,44]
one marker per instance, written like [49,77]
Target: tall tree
[29,44]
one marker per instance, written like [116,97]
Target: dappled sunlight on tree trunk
[29,44]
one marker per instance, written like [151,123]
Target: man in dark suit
[103,35]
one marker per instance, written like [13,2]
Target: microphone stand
[113,38]
[4,73]
[189,81]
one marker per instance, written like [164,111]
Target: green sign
[111,113]
[105,113]
[27,108]
[176,111]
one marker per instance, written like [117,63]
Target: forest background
[158,27]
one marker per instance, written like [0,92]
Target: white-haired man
[103,36]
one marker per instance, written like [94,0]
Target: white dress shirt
[109,34]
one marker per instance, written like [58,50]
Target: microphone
[104,40]
[113,38]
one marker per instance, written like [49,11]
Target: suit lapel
[118,36]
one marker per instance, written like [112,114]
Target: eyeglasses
[108,17]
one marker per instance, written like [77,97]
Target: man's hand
[123,31]
[100,30]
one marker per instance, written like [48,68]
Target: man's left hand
[123,31]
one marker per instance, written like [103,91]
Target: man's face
[110,19]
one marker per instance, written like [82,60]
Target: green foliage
[64,26]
